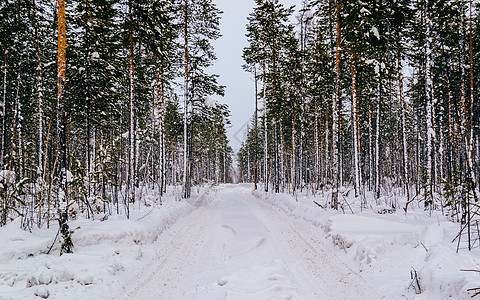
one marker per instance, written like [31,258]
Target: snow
[7,176]
[389,246]
[364,11]
[209,102]
[95,55]
[102,251]
[375,32]
[229,242]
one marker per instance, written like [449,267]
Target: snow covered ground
[394,248]
[228,242]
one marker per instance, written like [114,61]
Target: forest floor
[229,242]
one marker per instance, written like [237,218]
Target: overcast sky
[240,88]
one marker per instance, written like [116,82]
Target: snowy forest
[376,98]
[358,177]
[103,100]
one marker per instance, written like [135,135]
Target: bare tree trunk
[256,128]
[61,118]
[377,142]
[404,131]
[4,111]
[316,147]
[185,107]
[276,175]
[356,141]
[293,151]
[40,109]
[161,110]
[335,116]
[18,121]
[327,147]
[217,157]
[470,148]
[265,127]
[161,98]
[62,130]
[370,148]
[131,156]
[39,92]
[429,112]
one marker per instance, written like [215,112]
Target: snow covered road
[238,248]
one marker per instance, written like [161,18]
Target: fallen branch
[477,292]
[54,240]
[408,202]
[145,215]
[426,249]
[466,223]
[319,204]
[464,270]
[415,282]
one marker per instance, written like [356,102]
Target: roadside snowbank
[102,251]
[394,248]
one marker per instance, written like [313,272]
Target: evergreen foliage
[379,96]
[87,152]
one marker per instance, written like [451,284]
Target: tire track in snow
[324,267]
[235,248]
[163,276]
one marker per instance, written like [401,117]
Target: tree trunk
[4,111]
[404,131]
[370,147]
[185,107]
[39,92]
[131,157]
[335,116]
[327,147]
[61,118]
[377,142]
[293,151]
[62,129]
[256,128]
[429,111]
[18,126]
[265,127]
[316,147]
[355,127]
[470,148]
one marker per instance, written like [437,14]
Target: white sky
[240,89]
